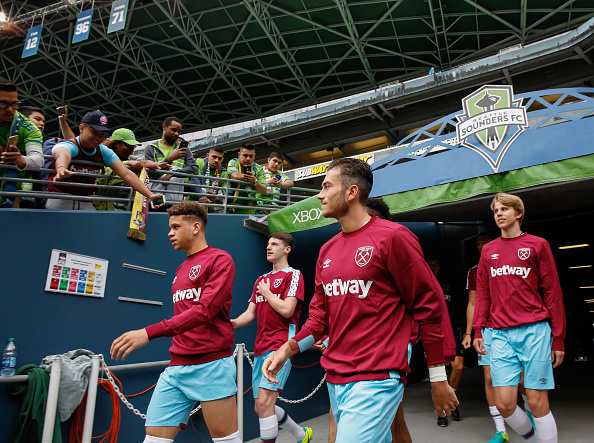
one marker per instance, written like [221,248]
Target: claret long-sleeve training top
[200,327]
[517,284]
[370,285]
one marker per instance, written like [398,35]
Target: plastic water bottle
[9,359]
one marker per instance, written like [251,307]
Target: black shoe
[456,414]
[442,422]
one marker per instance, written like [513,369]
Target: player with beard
[371,283]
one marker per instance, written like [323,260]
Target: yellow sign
[313,171]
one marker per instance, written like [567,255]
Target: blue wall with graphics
[45,323]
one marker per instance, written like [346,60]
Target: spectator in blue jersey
[37,117]
[87,146]
[210,166]
[171,150]
[35,114]
[25,154]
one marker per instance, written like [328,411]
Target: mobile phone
[12,140]
[183,144]
[158,202]
[61,110]
[247,169]
[278,177]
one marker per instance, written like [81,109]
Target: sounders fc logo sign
[491,121]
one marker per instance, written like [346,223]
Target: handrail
[226,188]
[98,366]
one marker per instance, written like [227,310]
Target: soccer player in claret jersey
[519,291]
[371,282]
[276,300]
[202,367]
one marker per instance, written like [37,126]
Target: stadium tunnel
[441,185]
[449,181]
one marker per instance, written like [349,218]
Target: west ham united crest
[363,255]
[277,282]
[194,272]
[491,121]
[523,253]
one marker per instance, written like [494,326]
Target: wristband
[293,345]
[437,374]
[60,166]
[468,333]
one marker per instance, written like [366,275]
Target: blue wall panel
[45,323]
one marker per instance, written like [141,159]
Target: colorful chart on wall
[76,274]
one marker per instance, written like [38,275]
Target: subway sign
[317,170]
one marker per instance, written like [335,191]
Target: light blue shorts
[258,380]
[485,360]
[364,410]
[180,387]
[523,348]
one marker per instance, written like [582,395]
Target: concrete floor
[572,404]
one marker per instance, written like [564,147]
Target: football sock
[268,429]
[546,428]
[497,418]
[287,423]
[231,438]
[153,439]
[520,423]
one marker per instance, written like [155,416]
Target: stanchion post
[52,401]
[240,348]
[91,399]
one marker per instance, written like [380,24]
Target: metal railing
[98,366]
[231,194]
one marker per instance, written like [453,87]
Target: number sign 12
[32,41]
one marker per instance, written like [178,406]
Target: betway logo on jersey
[510,270]
[262,299]
[343,287]
[83,170]
[187,294]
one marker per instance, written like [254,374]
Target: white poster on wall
[76,274]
